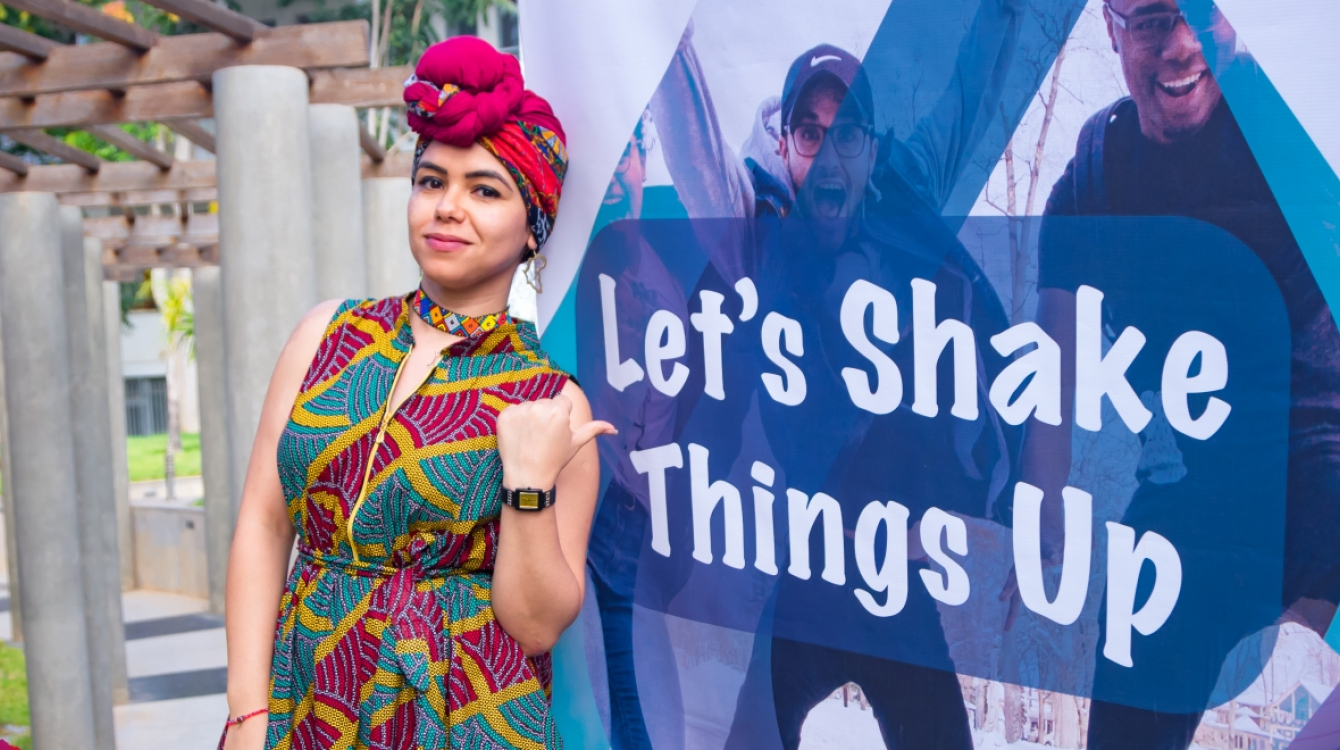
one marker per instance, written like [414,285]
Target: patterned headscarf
[464,91]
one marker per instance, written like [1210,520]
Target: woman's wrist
[247,702]
[235,718]
[528,480]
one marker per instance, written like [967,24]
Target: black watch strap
[526,499]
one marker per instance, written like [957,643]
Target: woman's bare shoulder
[313,325]
[581,407]
[306,338]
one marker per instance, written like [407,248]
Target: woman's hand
[539,578]
[536,440]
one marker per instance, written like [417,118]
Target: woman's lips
[445,243]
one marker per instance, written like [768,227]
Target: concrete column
[391,267]
[265,233]
[11,546]
[89,406]
[337,203]
[221,500]
[116,405]
[34,332]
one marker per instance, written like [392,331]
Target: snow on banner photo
[974,367]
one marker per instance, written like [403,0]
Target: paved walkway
[176,660]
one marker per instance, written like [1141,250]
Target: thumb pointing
[587,432]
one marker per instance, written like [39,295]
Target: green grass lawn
[145,453]
[13,697]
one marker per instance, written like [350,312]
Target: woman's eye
[432,183]
[488,192]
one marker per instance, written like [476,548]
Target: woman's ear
[532,249]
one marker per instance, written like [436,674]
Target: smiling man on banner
[1174,148]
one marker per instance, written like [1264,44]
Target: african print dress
[386,639]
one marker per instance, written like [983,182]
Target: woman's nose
[449,206]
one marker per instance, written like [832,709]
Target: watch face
[528,500]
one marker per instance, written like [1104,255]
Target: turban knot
[463,91]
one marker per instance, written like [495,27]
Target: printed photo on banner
[976,382]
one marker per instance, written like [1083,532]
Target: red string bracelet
[238,722]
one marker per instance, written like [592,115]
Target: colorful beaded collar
[456,324]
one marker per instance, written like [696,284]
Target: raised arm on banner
[942,142]
[709,176]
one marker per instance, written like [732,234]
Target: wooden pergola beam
[32,46]
[133,198]
[355,87]
[360,87]
[128,263]
[213,16]
[131,145]
[191,131]
[185,57]
[113,177]
[87,20]
[57,148]
[119,231]
[13,163]
[370,146]
[77,109]
[396,164]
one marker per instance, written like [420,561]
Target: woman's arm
[263,540]
[539,578]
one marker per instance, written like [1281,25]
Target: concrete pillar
[90,407]
[116,405]
[34,333]
[391,267]
[265,233]
[337,203]
[11,546]
[221,500]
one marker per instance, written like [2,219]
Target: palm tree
[171,291]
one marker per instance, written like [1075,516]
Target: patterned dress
[386,638]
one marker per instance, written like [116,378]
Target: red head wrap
[464,91]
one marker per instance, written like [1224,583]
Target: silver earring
[534,266]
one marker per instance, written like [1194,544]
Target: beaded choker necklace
[456,324]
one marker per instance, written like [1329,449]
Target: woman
[414,443]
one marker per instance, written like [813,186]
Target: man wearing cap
[1173,148]
[768,176]
[868,221]
[870,204]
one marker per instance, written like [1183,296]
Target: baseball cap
[827,60]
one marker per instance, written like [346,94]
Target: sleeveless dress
[386,639]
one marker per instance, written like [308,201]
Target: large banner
[974,367]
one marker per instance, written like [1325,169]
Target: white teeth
[1182,82]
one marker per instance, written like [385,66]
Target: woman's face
[467,221]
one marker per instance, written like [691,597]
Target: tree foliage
[132,11]
[407,38]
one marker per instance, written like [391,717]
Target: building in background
[144,371]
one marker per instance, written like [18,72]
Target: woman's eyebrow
[432,166]
[484,173]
